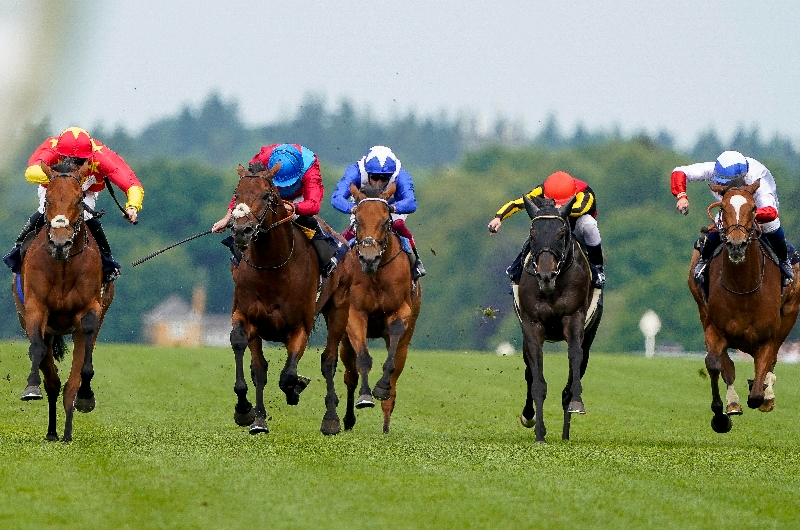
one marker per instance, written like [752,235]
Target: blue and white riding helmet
[380,160]
[291,170]
[729,166]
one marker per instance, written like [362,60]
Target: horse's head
[737,218]
[63,206]
[550,240]
[258,204]
[373,224]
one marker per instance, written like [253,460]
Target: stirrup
[420,268]
[700,268]
[329,267]
[786,272]
[112,275]
[600,279]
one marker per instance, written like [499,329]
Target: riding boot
[708,246]
[330,251]
[595,255]
[777,241]
[14,258]
[111,268]
[418,267]
[514,271]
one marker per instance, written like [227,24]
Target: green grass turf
[161,449]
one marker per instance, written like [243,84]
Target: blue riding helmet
[380,160]
[730,165]
[291,165]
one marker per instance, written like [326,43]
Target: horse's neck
[747,275]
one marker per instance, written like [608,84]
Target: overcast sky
[682,66]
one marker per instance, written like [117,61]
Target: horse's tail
[59,347]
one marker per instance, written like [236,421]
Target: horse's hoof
[243,419]
[381,393]
[527,423]
[292,398]
[755,402]
[330,427]
[259,425]
[52,437]
[85,405]
[733,409]
[576,407]
[364,401]
[768,405]
[31,393]
[721,424]
[349,422]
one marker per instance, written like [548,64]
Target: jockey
[561,187]
[74,144]
[380,167]
[730,169]
[298,180]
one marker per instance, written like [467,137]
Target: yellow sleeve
[512,207]
[35,175]
[135,198]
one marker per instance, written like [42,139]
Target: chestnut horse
[746,308]
[385,303]
[554,297]
[275,298]
[60,291]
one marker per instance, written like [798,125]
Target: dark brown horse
[275,298]
[385,303]
[555,298]
[745,309]
[60,291]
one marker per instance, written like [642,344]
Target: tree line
[187,166]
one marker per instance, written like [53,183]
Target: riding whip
[157,252]
[114,196]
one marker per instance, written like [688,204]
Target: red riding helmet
[74,142]
[560,186]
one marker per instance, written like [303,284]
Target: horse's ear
[754,186]
[272,172]
[565,209]
[46,169]
[389,191]
[356,193]
[83,170]
[531,208]
[240,170]
[719,189]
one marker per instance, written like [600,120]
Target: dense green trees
[187,165]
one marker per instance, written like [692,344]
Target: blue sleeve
[404,200]
[342,191]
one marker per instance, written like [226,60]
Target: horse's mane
[257,167]
[67,165]
[372,192]
[546,206]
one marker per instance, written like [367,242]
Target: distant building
[175,323]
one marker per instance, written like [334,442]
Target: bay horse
[60,291]
[745,309]
[384,303]
[275,298]
[555,295]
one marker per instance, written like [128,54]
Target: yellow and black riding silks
[584,204]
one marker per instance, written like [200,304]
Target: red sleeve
[678,183]
[111,165]
[766,214]
[313,190]
[45,153]
[232,204]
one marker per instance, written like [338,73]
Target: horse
[384,302]
[276,299]
[60,291]
[745,309]
[555,297]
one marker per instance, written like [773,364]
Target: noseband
[77,224]
[560,255]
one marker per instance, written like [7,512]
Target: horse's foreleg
[732,403]
[769,393]
[528,416]
[715,347]
[399,363]
[348,356]
[396,328]
[36,352]
[243,413]
[73,381]
[763,359]
[532,341]
[290,382]
[357,335]
[90,325]
[52,387]
[336,322]
[258,371]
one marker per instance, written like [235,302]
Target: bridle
[560,256]
[77,224]
[370,241]
[724,232]
[272,200]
